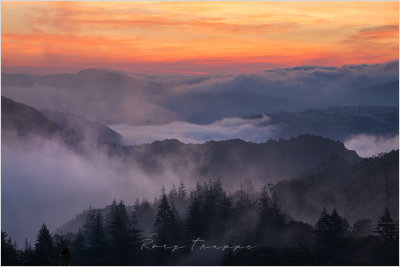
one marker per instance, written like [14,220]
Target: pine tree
[118,225]
[323,228]
[8,251]
[340,229]
[44,247]
[135,237]
[79,250]
[387,229]
[225,213]
[118,233]
[264,199]
[145,216]
[62,250]
[270,221]
[135,233]
[79,242]
[181,203]
[195,220]
[173,195]
[166,224]
[182,191]
[27,254]
[243,202]
[95,234]
[137,204]
[331,233]
[276,210]
[89,223]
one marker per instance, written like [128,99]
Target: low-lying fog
[366,145]
[229,128]
[44,181]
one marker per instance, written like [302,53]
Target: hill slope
[357,190]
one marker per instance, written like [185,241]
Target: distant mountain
[386,94]
[88,78]
[113,97]
[204,108]
[87,129]
[18,79]
[337,123]
[358,190]
[99,95]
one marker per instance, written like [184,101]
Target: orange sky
[195,37]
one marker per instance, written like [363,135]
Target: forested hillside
[210,226]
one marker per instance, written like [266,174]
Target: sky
[195,37]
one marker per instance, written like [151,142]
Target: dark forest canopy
[210,226]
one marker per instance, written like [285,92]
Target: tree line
[114,235]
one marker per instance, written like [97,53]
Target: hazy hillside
[234,160]
[26,122]
[87,129]
[357,190]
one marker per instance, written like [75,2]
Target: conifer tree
[166,224]
[145,216]
[135,233]
[387,229]
[264,200]
[27,254]
[243,202]
[61,250]
[323,228]
[173,195]
[182,191]
[8,250]
[340,228]
[79,243]
[195,220]
[118,225]
[270,222]
[44,247]
[118,233]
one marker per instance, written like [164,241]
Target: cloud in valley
[229,128]
[371,145]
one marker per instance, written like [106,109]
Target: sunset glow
[195,37]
